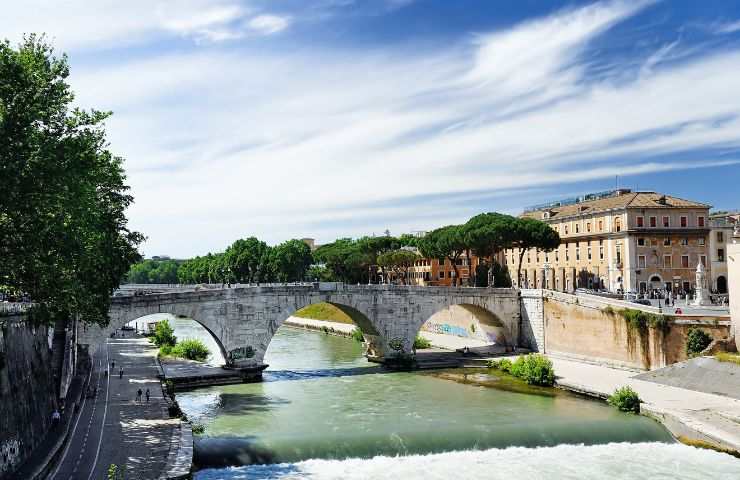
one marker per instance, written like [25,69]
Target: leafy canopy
[64,238]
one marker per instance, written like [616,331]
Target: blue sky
[331,118]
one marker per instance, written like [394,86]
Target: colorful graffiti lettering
[446,329]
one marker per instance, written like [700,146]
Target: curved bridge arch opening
[467,325]
[185,328]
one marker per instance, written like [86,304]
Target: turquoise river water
[324,412]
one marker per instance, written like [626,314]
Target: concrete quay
[711,418]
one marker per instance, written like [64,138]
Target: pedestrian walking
[113,365]
[120,373]
[147,395]
[138,395]
[56,417]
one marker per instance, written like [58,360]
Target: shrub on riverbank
[535,369]
[191,349]
[421,343]
[625,399]
[696,341]
[357,335]
[164,335]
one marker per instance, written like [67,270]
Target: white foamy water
[614,461]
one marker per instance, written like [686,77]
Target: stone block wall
[26,390]
[594,330]
[532,334]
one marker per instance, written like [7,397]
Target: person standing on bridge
[113,365]
[138,395]
[120,373]
[147,395]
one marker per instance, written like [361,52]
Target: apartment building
[440,272]
[618,240]
[720,236]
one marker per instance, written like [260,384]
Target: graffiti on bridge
[241,353]
[446,329]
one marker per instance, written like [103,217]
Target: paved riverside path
[715,416]
[135,435]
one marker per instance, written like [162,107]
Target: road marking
[74,429]
[105,413]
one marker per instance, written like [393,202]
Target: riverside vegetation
[625,399]
[534,368]
[189,349]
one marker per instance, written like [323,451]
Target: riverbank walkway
[115,429]
[684,412]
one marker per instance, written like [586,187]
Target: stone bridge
[243,320]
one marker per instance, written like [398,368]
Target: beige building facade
[621,241]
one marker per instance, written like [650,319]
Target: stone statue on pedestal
[702,292]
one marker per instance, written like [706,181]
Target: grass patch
[535,369]
[324,311]
[625,399]
[190,349]
[728,357]
[421,343]
[357,335]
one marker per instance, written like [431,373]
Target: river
[324,412]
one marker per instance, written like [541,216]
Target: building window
[666,221]
[701,241]
[557,255]
[601,253]
[618,224]
[566,229]
[529,260]
[576,228]
[578,253]
[684,222]
[653,222]
[684,241]
[721,237]
[547,256]
[601,225]
[641,261]
[721,254]
[619,255]
[667,261]
[703,260]
[442,274]
[640,222]
[588,252]
[588,226]
[667,241]
[700,221]
[567,253]
[641,241]
[685,261]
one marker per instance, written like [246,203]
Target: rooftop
[609,200]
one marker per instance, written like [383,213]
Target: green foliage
[64,236]
[190,349]
[357,335]
[290,260]
[398,262]
[154,271]
[504,365]
[696,341]
[640,321]
[609,310]
[625,399]
[446,242]
[116,472]
[249,260]
[535,369]
[198,429]
[164,335]
[319,273]
[421,343]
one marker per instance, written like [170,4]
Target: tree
[290,261]
[248,260]
[347,261]
[487,234]
[64,238]
[398,262]
[445,242]
[530,233]
[164,334]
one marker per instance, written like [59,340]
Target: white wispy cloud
[268,24]
[728,27]
[326,142]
